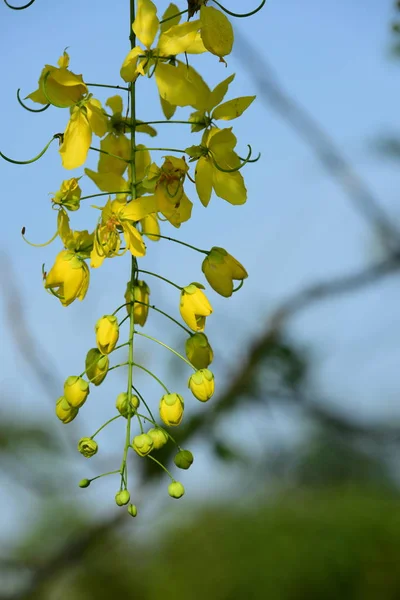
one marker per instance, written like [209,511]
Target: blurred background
[294,492]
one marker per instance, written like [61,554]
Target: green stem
[149,337]
[144,402]
[165,121]
[165,315]
[105,474]
[161,465]
[173,16]
[160,149]
[114,87]
[103,194]
[108,153]
[178,287]
[164,237]
[104,425]
[152,375]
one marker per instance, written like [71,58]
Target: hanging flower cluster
[141,192]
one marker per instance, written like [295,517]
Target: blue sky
[296,228]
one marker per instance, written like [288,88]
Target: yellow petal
[115,103]
[216,31]
[142,161]
[138,209]
[119,145]
[218,93]
[229,186]
[134,240]
[129,66]
[96,117]
[171,11]
[174,86]
[179,38]
[151,227]
[167,108]
[203,178]
[232,109]
[63,61]
[146,22]
[108,182]
[77,139]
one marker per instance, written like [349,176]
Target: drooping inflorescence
[140,192]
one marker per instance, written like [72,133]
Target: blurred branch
[325,150]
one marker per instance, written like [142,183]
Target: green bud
[159,437]
[122,497]
[96,366]
[132,510]
[122,404]
[199,351]
[142,444]
[87,447]
[183,459]
[84,483]
[176,489]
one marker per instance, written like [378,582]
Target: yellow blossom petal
[134,240]
[216,31]
[146,22]
[232,109]
[96,117]
[219,92]
[129,71]
[171,11]
[229,186]
[179,38]
[115,103]
[203,178]
[119,145]
[151,227]
[108,182]
[138,209]
[77,139]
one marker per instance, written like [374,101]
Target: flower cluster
[143,191]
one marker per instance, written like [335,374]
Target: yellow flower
[151,227]
[80,242]
[68,279]
[96,366]
[167,181]
[159,437]
[76,391]
[69,194]
[87,447]
[87,118]
[216,151]
[64,411]
[201,384]
[199,351]
[171,409]
[194,307]
[140,295]
[142,444]
[107,333]
[59,86]
[221,269]
[122,404]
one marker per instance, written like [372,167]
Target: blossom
[139,294]
[221,269]
[199,351]
[76,391]
[64,411]
[87,447]
[124,407]
[171,409]
[69,194]
[201,384]
[59,86]
[159,437]
[142,444]
[217,167]
[96,366]
[68,279]
[194,307]
[107,333]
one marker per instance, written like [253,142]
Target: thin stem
[161,465]
[32,160]
[165,315]
[105,474]
[123,320]
[173,16]
[108,153]
[160,149]
[149,337]
[165,121]
[104,425]
[144,402]
[240,15]
[118,366]
[178,287]
[104,194]
[114,87]
[152,375]
[33,110]
[164,237]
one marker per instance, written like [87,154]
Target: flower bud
[176,489]
[159,437]
[107,333]
[199,351]
[184,459]
[87,447]
[221,269]
[69,194]
[64,411]
[84,483]
[122,404]
[201,384]
[194,307]
[96,366]
[142,444]
[76,390]
[140,295]
[171,409]
[122,497]
[132,510]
